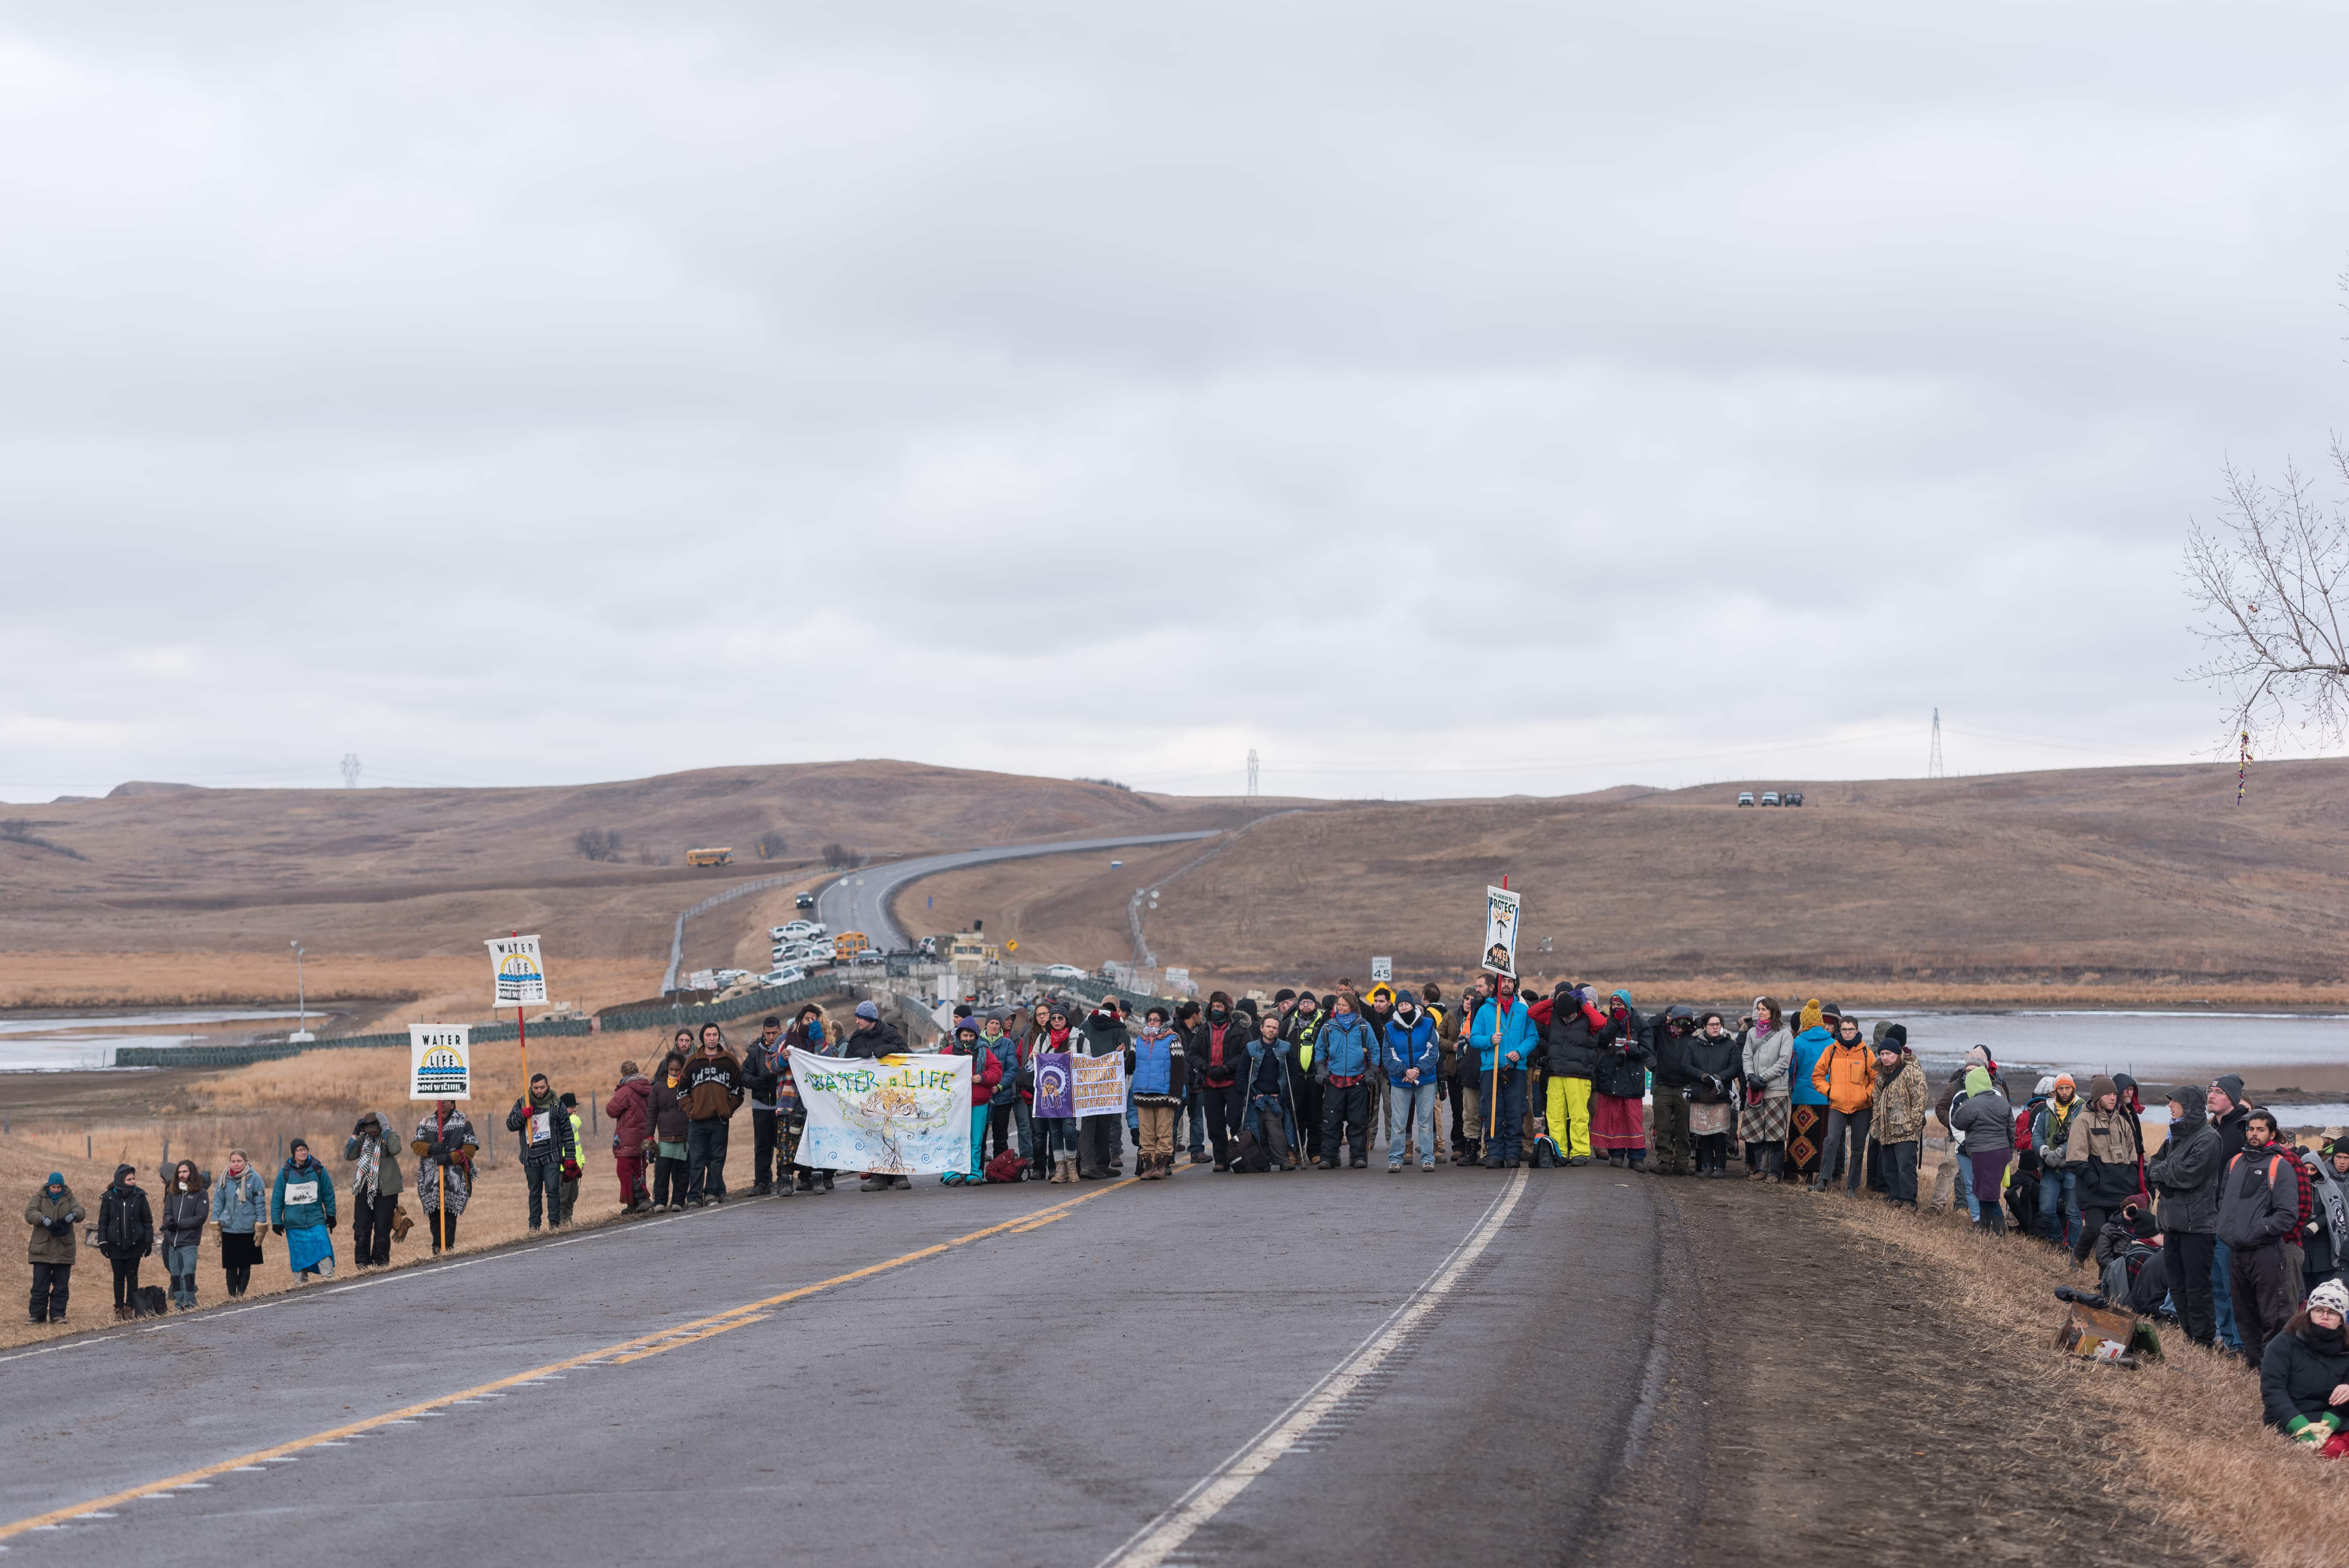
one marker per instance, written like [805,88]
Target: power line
[350,769]
[1934,761]
[1251,772]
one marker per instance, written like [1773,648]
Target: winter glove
[61,1227]
[330,1221]
[279,1230]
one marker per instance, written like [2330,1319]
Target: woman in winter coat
[374,1188]
[240,1208]
[2324,1242]
[1807,1103]
[302,1210]
[1846,1073]
[1619,1085]
[2304,1374]
[1056,1136]
[126,1233]
[1717,1068]
[630,1107]
[187,1207]
[53,1214]
[444,1145]
[986,1072]
[1005,1108]
[671,1126]
[1985,1124]
[1766,1054]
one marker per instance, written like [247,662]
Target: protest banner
[1098,1084]
[1501,931]
[1054,1101]
[895,1116]
[440,1061]
[521,973]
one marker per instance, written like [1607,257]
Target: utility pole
[301,1035]
[1251,784]
[350,769]
[1934,761]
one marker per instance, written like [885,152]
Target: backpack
[1250,1155]
[1545,1155]
[1006,1166]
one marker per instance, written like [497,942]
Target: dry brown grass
[429,990]
[2190,1423]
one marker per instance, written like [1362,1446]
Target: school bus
[847,945]
[708,857]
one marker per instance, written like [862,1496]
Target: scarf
[2336,1207]
[370,1165]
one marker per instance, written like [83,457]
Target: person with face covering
[1155,1065]
[1217,1058]
[2304,1374]
[1570,1040]
[1099,1152]
[1409,1061]
[1766,1054]
[2324,1245]
[302,1210]
[241,1209]
[1301,1033]
[1619,1085]
[186,1207]
[2186,1172]
[374,1188]
[443,1145]
[125,1234]
[1504,1038]
[53,1214]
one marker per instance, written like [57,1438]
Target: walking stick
[441,1221]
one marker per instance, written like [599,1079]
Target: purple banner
[1055,1096]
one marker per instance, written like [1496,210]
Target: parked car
[1061,971]
[1745,796]
[1794,798]
[728,977]
[1769,797]
[790,973]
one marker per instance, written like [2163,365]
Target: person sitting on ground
[2304,1374]
[53,1214]
[2129,1260]
[2324,1240]
[2186,1172]
[1896,1127]
[2100,1153]
[1985,1125]
[302,1210]
[2258,1206]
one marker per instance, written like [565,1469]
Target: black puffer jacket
[126,1226]
[2299,1373]
[1671,1048]
[1571,1041]
[1623,1056]
[1714,1067]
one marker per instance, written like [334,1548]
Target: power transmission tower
[1251,772]
[1934,762]
[350,769]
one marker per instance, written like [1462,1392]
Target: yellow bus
[847,945]
[708,857]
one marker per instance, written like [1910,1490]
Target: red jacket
[631,1110]
[985,1071]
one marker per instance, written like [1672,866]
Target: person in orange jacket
[1846,1074]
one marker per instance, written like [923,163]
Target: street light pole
[301,1035]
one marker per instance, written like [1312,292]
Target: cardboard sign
[521,973]
[1098,1084]
[440,1061]
[1500,933]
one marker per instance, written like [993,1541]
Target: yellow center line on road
[628,1350]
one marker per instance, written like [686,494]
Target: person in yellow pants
[1573,1050]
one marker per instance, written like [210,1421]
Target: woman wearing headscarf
[1767,1053]
[187,1207]
[240,1208]
[443,1145]
[302,1210]
[53,1214]
[1619,1085]
[126,1233]
[1806,1109]
[1986,1125]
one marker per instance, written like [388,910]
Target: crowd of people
[2225,1228]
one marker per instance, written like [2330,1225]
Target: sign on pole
[1382,971]
[1501,931]
[440,1061]
[521,973]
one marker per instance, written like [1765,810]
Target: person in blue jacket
[1271,1116]
[1504,1035]
[302,1210]
[1344,1056]
[1410,1056]
[1154,1060]
[1815,1029]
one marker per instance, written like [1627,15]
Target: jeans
[1845,1128]
[704,1156]
[2188,1264]
[1965,1186]
[1671,1133]
[1195,1121]
[372,1230]
[1345,1121]
[1569,1115]
[1061,1137]
[2059,1204]
[2222,1297]
[1507,1088]
[1897,1163]
[762,1150]
[1408,1103]
[546,1178]
[51,1284]
[180,1263]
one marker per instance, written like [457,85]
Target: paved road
[860,901]
[1007,1375]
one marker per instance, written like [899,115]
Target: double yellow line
[628,1350]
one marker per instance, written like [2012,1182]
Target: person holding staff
[444,1145]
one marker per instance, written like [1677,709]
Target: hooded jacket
[1809,1047]
[1573,1038]
[1623,1054]
[2186,1172]
[46,1214]
[630,1108]
[1100,1033]
[1669,1048]
[545,1131]
[126,1226]
[1408,1046]
[2259,1199]
[713,1086]
[387,1164]
[1845,1075]
[1203,1041]
[302,1196]
[764,1068]
[2100,1148]
[1898,1103]
[1984,1119]
[1347,1048]
[240,1203]
[668,1101]
[185,1214]
[1517,1033]
[871,1040]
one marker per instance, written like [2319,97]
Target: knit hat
[57,1178]
[2101,1086]
[2233,1084]
[1810,1016]
[1977,1080]
[2332,1295]
[1283,995]
[1831,1010]
[302,1143]
[1894,1038]
[1978,1057]
[2063,1079]
[2046,1084]
[1623,996]
[868,1011]
[1883,1027]
[966,1027]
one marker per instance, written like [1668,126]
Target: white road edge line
[1150,1546]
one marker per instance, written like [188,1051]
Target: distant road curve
[860,900]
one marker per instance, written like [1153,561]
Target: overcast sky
[1440,399]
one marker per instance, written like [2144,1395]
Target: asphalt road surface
[1314,1367]
[860,901]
